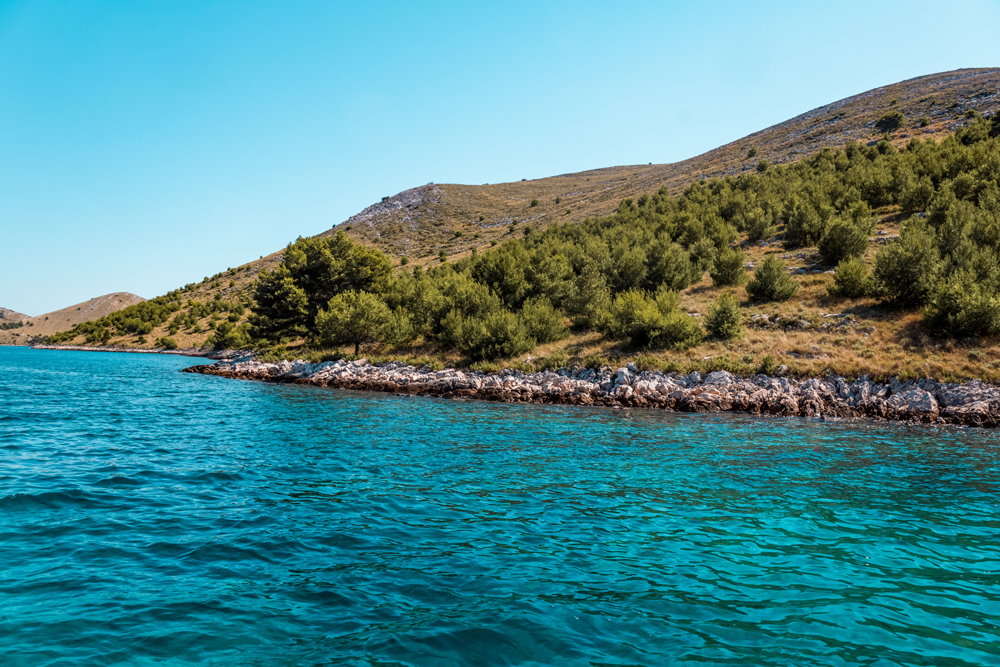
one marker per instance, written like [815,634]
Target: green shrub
[906,271]
[960,307]
[759,225]
[890,122]
[458,234]
[728,267]
[752,153]
[762,166]
[768,366]
[925,121]
[771,282]
[558,200]
[399,330]
[230,337]
[404,260]
[553,362]
[499,334]
[842,240]
[534,203]
[995,124]
[650,321]
[166,343]
[443,256]
[542,321]
[724,319]
[850,279]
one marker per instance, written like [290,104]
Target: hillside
[421,222]
[60,320]
[7,316]
[815,332]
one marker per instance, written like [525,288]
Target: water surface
[150,517]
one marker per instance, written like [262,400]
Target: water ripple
[149,517]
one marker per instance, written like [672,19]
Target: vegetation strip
[926,401]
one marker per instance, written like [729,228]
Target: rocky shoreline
[923,401]
[187,352]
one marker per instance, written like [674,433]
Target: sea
[153,517]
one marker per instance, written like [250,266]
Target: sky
[147,145]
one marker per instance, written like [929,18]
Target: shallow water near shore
[151,517]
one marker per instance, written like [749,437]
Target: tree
[281,307]
[353,318]
[850,279]
[771,282]
[313,271]
[961,307]
[724,319]
[728,268]
[906,271]
[842,240]
[890,122]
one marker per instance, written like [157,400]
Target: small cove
[153,517]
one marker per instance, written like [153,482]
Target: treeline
[7,326]
[620,274]
[142,318]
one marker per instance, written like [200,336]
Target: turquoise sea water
[150,517]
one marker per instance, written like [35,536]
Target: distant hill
[60,320]
[7,315]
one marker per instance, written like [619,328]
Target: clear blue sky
[144,145]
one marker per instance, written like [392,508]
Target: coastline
[188,352]
[973,403]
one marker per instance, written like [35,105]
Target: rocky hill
[60,320]
[421,222]
[8,316]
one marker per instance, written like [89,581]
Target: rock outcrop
[927,401]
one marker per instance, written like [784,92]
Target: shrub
[971,113]
[443,256]
[724,319]
[497,335]
[759,225]
[649,321]
[995,124]
[752,153]
[762,166]
[850,279]
[890,122]
[399,330]
[229,337]
[553,362]
[925,121]
[771,282]
[842,240]
[534,203]
[558,200]
[906,271]
[354,318]
[542,321]
[768,366]
[166,343]
[458,234]
[728,267]
[960,306]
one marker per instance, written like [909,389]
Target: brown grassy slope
[60,320]
[8,315]
[423,221]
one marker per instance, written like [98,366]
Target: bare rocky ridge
[926,401]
